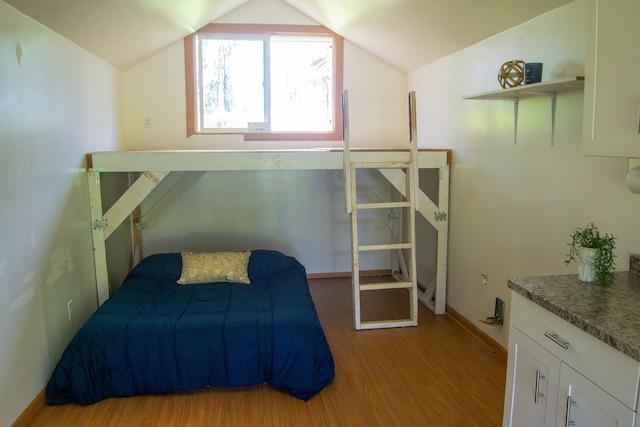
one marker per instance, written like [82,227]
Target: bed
[156,336]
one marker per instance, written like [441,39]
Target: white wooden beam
[97,233]
[123,207]
[153,213]
[443,241]
[194,160]
[346,157]
[426,207]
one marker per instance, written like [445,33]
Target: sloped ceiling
[406,34]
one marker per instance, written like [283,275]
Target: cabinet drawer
[612,370]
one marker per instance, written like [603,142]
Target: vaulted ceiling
[406,34]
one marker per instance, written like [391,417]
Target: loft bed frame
[151,167]
[399,167]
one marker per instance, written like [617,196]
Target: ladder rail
[346,151]
[355,254]
[413,145]
[414,190]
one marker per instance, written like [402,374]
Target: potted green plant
[595,252]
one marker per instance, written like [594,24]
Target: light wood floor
[436,374]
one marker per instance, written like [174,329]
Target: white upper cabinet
[612,85]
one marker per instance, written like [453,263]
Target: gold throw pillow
[214,267]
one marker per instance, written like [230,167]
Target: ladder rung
[383,205]
[386,285]
[385,246]
[400,323]
[387,165]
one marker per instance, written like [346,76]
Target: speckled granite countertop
[611,314]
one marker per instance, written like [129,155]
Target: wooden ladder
[406,171]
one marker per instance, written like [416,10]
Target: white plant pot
[586,270]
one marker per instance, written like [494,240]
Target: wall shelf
[515,94]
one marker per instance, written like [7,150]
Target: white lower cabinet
[582,403]
[532,383]
[558,375]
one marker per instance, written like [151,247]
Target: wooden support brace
[426,207]
[153,213]
[123,207]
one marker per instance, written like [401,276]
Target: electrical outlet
[499,311]
[485,279]
[147,122]
[498,315]
[70,309]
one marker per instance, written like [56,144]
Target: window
[265,81]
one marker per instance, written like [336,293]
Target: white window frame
[191,66]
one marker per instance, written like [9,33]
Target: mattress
[154,336]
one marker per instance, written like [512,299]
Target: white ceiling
[406,34]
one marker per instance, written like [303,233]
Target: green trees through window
[283,82]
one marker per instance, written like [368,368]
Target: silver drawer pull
[538,394]
[568,422]
[556,339]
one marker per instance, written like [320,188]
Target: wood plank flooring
[436,374]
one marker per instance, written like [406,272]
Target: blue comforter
[155,336]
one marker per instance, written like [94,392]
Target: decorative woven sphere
[511,73]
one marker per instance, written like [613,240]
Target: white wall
[301,213]
[57,102]
[514,205]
